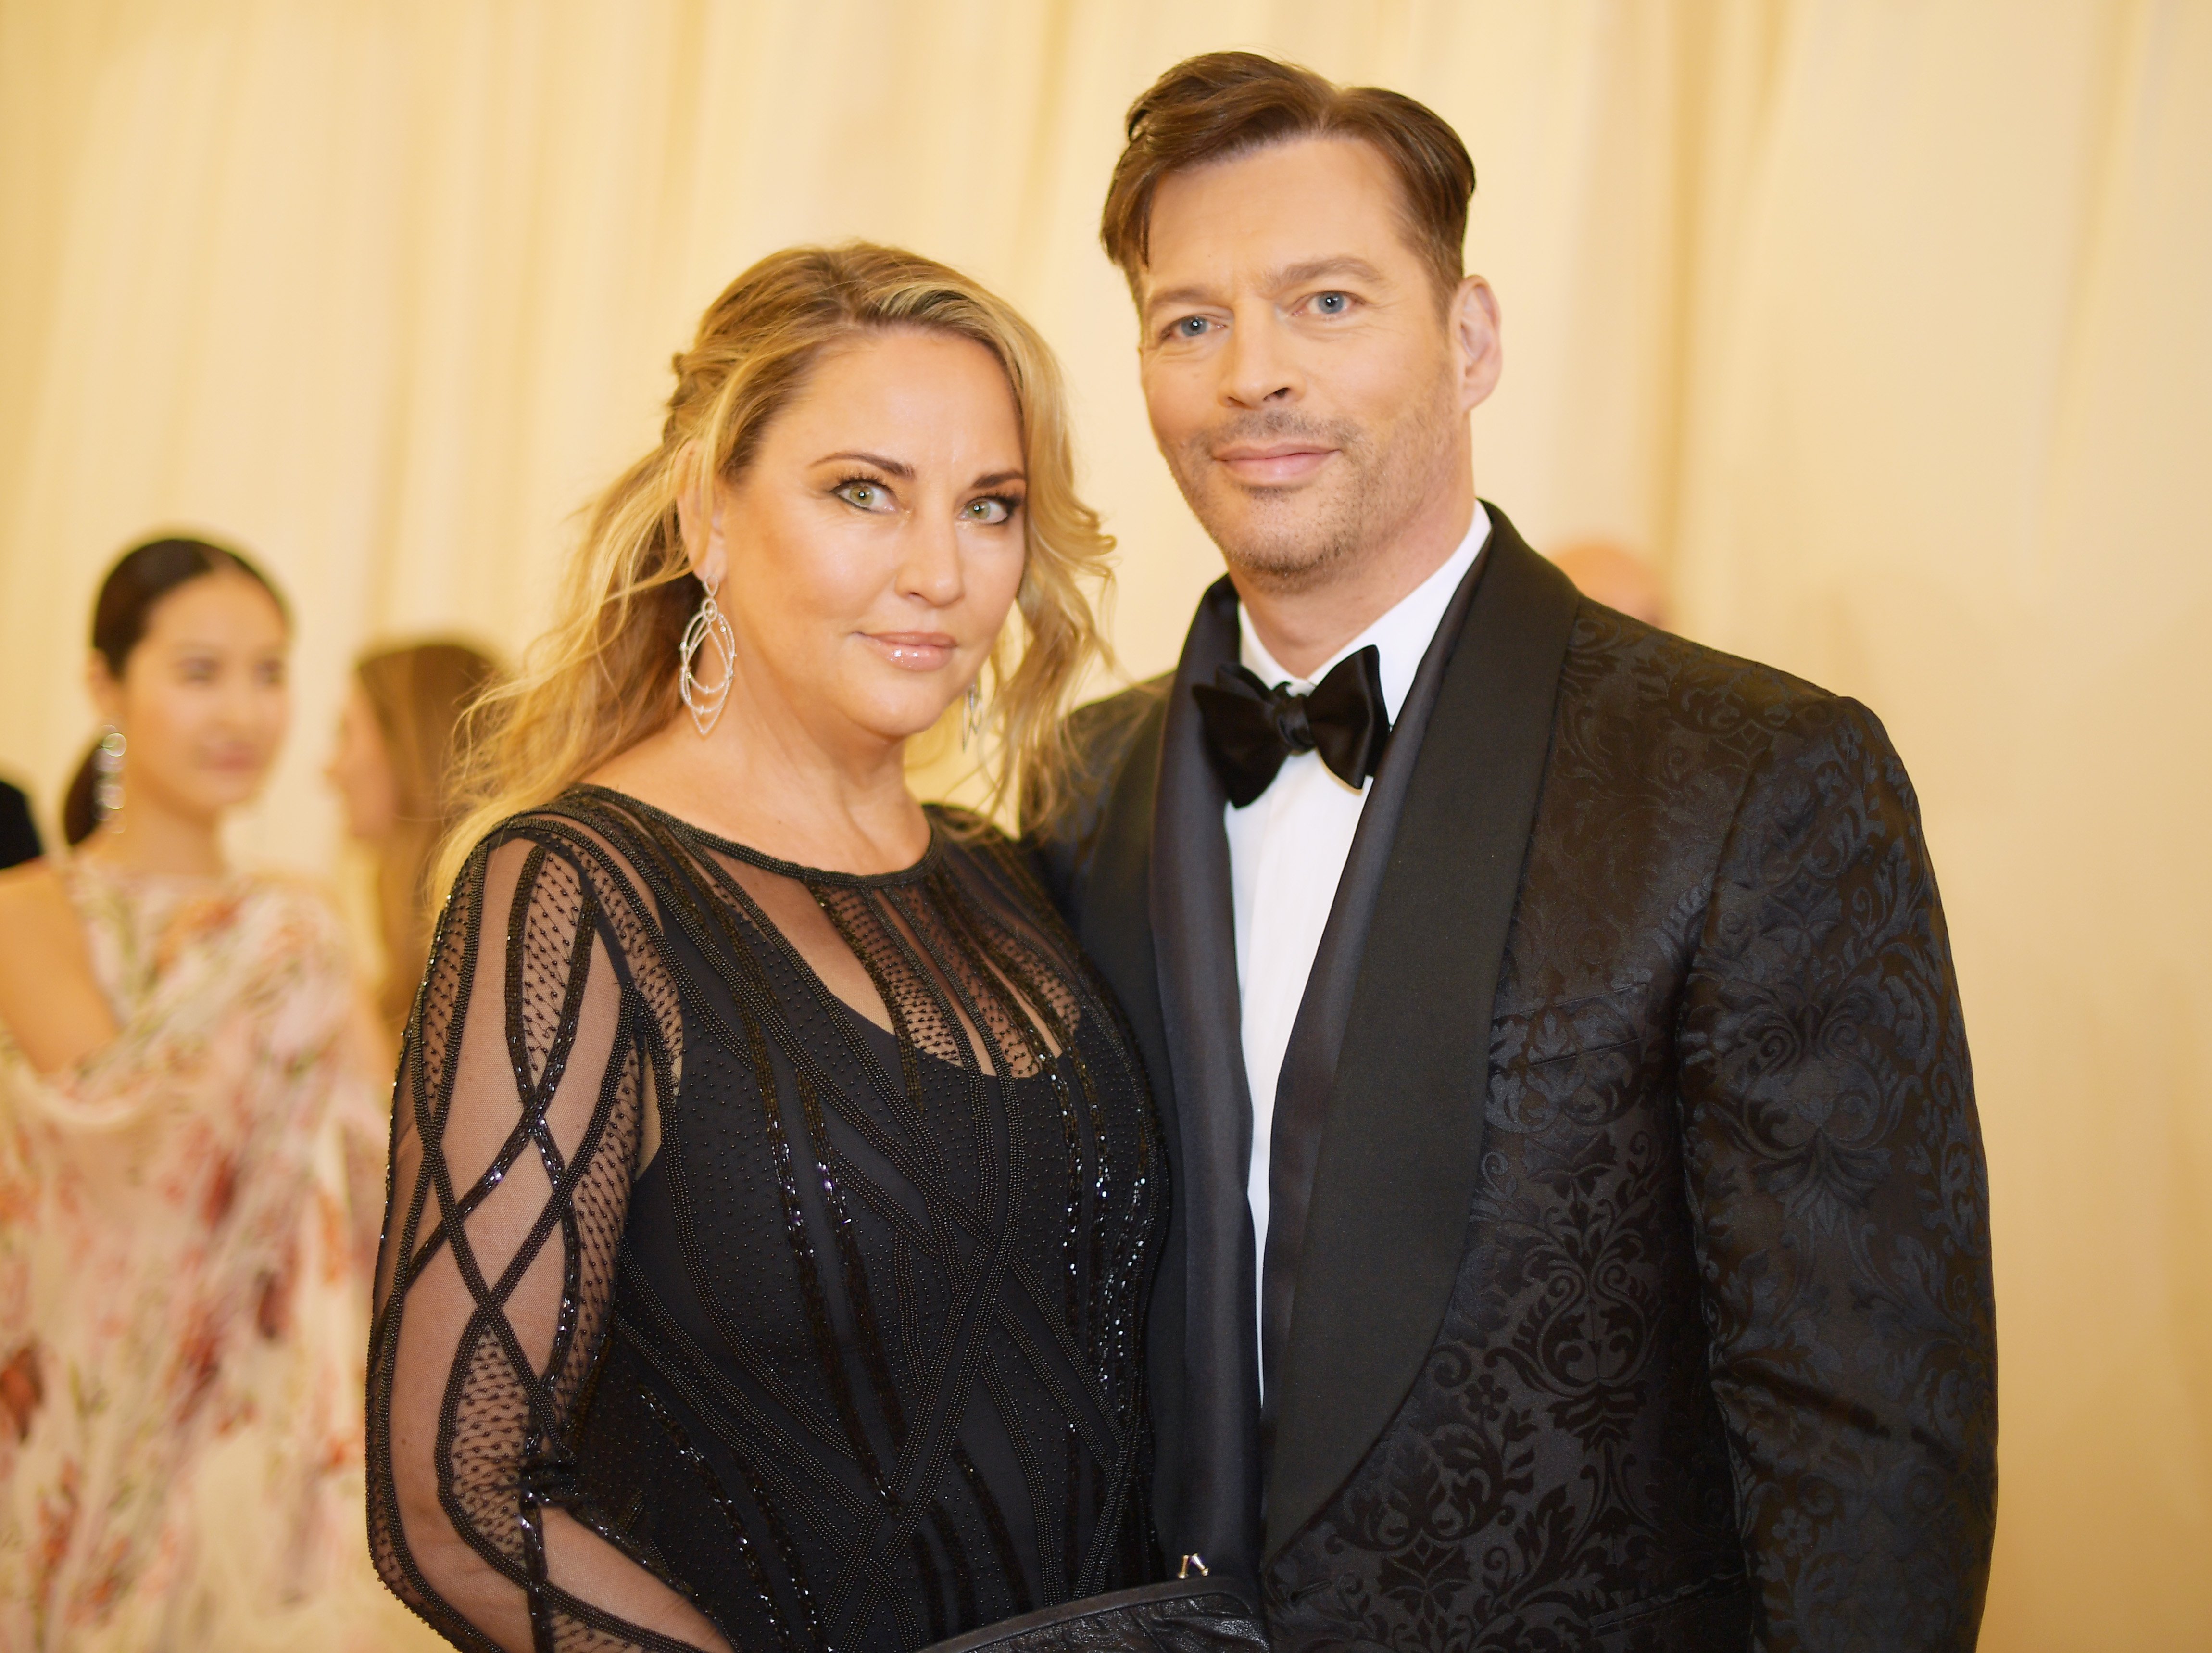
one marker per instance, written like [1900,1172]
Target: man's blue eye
[1332,304]
[1191,326]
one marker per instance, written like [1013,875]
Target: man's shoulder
[1620,667]
[1103,731]
[1102,736]
[1643,712]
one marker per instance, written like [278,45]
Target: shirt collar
[1401,636]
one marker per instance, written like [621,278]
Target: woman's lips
[1273,466]
[913,651]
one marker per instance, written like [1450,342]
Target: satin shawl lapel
[1309,1059]
[1193,930]
[1396,1176]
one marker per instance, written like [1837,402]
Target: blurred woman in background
[178,1313]
[393,770]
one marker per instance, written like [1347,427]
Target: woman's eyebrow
[997,478]
[897,467]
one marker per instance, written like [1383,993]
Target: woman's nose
[932,569]
[245,702]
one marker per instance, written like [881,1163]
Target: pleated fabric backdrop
[1885,327]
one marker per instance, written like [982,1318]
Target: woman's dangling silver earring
[971,725]
[107,766]
[706,701]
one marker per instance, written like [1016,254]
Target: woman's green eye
[991,510]
[866,495]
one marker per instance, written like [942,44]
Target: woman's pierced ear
[695,506]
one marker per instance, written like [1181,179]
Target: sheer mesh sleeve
[545,1028]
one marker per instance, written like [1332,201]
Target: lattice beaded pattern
[833,1328]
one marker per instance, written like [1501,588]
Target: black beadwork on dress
[833,1330]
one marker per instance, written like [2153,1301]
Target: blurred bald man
[1580,1234]
[1615,577]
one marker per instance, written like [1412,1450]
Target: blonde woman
[391,769]
[774,1193]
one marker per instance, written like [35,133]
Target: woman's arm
[363,1108]
[520,1102]
[50,1001]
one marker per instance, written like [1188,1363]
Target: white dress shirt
[1287,849]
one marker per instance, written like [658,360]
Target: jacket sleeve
[1837,1180]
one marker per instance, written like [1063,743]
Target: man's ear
[107,693]
[1473,323]
[699,507]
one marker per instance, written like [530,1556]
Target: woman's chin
[898,719]
[908,733]
[212,801]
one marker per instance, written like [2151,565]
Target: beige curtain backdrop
[1883,325]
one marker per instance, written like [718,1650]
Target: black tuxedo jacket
[1643,1299]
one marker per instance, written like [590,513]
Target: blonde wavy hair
[604,676]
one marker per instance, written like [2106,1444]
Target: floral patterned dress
[182,1314]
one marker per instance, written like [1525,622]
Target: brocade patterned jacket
[1644,1300]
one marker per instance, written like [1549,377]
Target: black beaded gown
[773,1239]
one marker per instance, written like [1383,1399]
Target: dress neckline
[107,872]
[913,873]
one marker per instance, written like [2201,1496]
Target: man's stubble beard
[1284,540]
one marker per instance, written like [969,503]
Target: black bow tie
[1251,728]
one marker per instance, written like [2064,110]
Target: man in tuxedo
[1580,1233]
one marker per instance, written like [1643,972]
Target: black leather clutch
[1184,1615]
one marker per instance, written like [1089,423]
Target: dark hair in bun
[141,579]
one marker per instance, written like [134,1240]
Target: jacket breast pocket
[1555,1030]
[1581,1057]
[1716,1613]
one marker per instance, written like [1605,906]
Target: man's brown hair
[1225,104]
